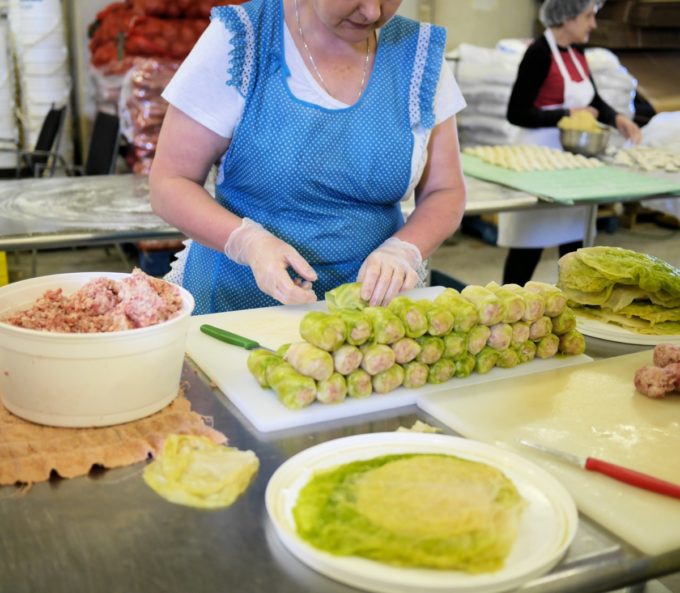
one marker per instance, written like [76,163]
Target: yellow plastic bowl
[79,379]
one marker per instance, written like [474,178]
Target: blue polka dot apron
[328,182]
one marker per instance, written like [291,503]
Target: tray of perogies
[355,350]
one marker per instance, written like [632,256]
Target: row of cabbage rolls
[355,350]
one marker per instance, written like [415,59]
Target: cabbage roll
[309,360]
[347,359]
[439,319]
[294,390]
[572,343]
[411,314]
[358,327]
[547,347]
[415,374]
[325,330]
[540,328]
[520,333]
[258,361]
[526,351]
[564,322]
[345,296]
[388,380]
[486,360]
[405,350]
[359,384]
[500,336]
[464,312]
[489,307]
[554,298]
[432,349]
[477,338]
[534,305]
[387,327]
[332,390]
[465,365]
[377,358]
[455,344]
[507,358]
[513,303]
[441,371]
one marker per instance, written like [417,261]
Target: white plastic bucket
[39,53]
[8,125]
[96,379]
[56,67]
[40,7]
[8,160]
[45,89]
[44,33]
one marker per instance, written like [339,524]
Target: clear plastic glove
[269,259]
[388,270]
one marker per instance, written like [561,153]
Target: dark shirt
[524,108]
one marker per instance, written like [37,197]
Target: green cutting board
[569,186]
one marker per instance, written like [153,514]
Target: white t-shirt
[200,90]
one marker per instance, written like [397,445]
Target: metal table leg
[591,225]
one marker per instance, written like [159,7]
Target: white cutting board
[226,366]
[592,410]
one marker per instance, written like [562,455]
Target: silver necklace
[313,63]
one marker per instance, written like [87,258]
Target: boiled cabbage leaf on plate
[413,510]
[634,290]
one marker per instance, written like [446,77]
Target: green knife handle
[229,337]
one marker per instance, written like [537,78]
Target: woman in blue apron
[322,117]
[553,80]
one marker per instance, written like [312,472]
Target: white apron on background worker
[547,227]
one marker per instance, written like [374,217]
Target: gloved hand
[269,259]
[388,270]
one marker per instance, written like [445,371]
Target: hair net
[554,13]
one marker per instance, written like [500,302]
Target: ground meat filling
[103,305]
[664,376]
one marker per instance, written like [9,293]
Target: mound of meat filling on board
[663,376]
[103,305]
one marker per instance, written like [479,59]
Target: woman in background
[553,81]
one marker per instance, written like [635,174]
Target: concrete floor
[463,257]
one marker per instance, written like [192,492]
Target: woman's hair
[554,13]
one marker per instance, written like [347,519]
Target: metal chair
[102,151]
[45,156]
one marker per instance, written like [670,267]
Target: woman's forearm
[436,217]
[184,155]
[189,207]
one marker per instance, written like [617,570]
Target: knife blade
[231,338]
[617,472]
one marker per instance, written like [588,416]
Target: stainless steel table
[109,532]
[72,211]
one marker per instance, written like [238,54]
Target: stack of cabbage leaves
[633,290]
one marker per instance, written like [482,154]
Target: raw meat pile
[103,305]
[664,376]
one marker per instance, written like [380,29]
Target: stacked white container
[42,60]
[9,133]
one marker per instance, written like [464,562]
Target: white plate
[547,528]
[615,333]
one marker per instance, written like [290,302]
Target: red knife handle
[633,478]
